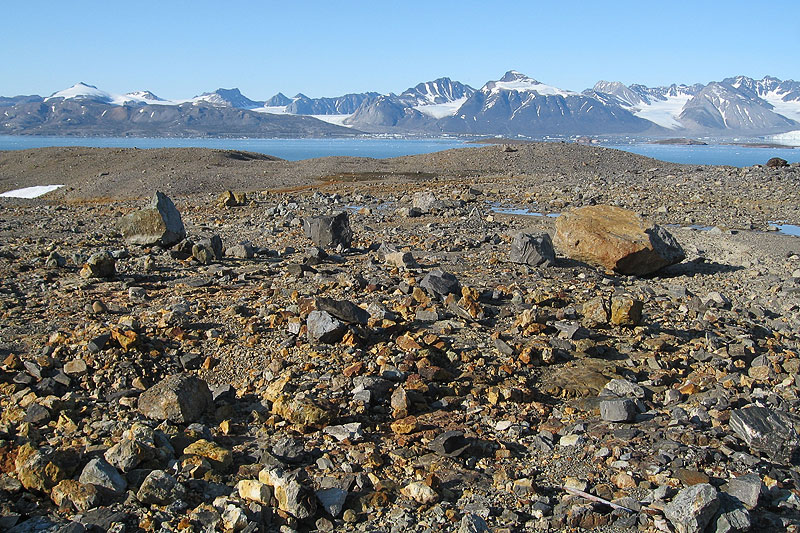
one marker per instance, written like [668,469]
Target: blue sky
[179,49]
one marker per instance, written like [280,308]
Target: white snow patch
[790,109]
[528,85]
[30,192]
[663,112]
[447,109]
[275,110]
[791,138]
[337,120]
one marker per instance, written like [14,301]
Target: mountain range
[514,105]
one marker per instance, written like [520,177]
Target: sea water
[382,147]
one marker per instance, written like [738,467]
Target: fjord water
[381,147]
[291,149]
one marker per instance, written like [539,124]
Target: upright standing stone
[329,231]
[160,223]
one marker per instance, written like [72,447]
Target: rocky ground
[279,387]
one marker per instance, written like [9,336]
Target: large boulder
[160,224]
[617,239]
[179,398]
[329,231]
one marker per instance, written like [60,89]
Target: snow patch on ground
[448,109]
[30,192]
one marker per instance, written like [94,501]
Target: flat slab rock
[617,239]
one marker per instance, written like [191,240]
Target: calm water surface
[294,149]
[291,149]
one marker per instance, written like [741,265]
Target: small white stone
[420,492]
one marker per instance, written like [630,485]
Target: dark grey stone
[746,489]
[329,231]
[440,283]
[449,443]
[179,398]
[343,310]
[533,250]
[731,517]
[618,410]
[101,474]
[770,431]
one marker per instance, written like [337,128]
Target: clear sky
[178,49]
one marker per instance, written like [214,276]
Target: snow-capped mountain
[515,104]
[278,100]
[84,91]
[439,91]
[228,97]
[783,96]
[720,106]
[340,105]
[519,105]
[661,105]
[738,104]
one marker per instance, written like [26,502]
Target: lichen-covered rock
[43,468]
[616,239]
[160,224]
[99,265]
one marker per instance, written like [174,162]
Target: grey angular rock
[101,474]
[332,500]
[472,523]
[770,431]
[618,410]
[440,283]
[343,310]
[352,431]
[731,517]
[160,488]
[244,250]
[160,224]
[426,201]
[179,398]
[533,250]
[692,509]
[128,454]
[747,489]
[322,327]
[329,231]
